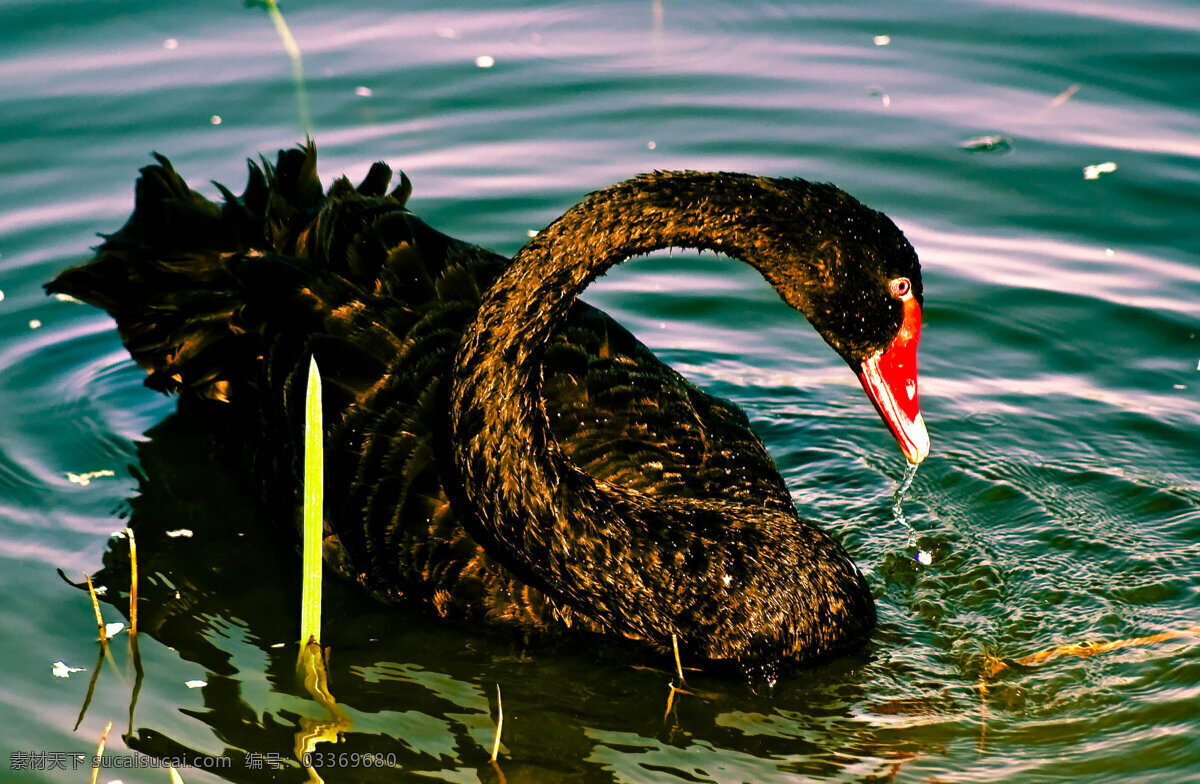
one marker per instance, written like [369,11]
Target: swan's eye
[900,287]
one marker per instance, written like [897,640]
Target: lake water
[1060,381]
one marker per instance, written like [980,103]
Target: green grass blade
[314,503]
[293,51]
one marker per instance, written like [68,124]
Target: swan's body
[497,449]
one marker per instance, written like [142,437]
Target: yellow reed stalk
[96,609]
[1090,648]
[314,503]
[100,752]
[133,583]
[499,724]
[678,663]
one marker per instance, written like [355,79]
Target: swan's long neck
[595,544]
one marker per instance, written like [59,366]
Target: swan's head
[851,271]
[845,266]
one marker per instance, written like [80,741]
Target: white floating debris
[1063,97]
[887,100]
[101,590]
[883,40]
[112,629]
[924,557]
[215,119]
[448,32]
[363,92]
[61,670]
[171,43]
[1180,386]
[195,684]
[1198,365]
[1109,252]
[63,298]
[34,323]
[532,233]
[178,532]
[651,145]
[1094,171]
[83,480]
[1,296]
[993,143]
[118,534]
[485,61]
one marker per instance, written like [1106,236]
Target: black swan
[497,449]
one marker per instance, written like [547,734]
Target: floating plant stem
[91,689]
[175,777]
[499,724]
[96,608]
[314,502]
[133,581]
[1087,649]
[293,52]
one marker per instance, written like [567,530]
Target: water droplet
[485,61]
[215,119]
[910,473]
[883,40]
[363,92]
[651,145]
[171,43]
[34,323]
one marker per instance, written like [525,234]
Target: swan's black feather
[224,304]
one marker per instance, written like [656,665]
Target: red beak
[890,379]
